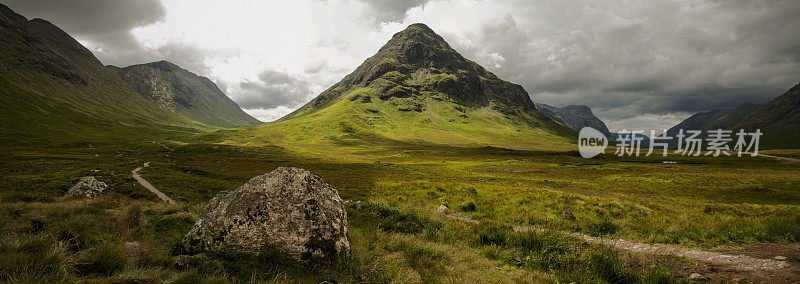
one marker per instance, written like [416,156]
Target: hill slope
[779,120]
[174,89]
[53,91]
[715,119]
[417,89]
[573,116]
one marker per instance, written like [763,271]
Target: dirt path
[735,261]
[149,186]
[791,160]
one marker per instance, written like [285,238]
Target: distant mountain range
[574,116]
[778,120]
[417,89]
[172,88]
[715,119]
[53,91]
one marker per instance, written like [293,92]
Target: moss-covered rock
[289,212]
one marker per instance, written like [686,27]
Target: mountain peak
[419,46]
[418,29]
[163,65]
[417,83]
[418,61]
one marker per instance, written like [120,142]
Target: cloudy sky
[637,64]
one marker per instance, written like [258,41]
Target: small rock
[780,258]
[85,253]
[441,208]
[182,261]
[88,187]
[289,211]
[470,190]
[357,205]
[697,276]
[134,252]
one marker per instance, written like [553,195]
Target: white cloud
[267,115]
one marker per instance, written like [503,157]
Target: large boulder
[288,212]
[89,187]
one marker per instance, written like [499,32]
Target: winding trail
[739,262]
[791,160]
[149,186]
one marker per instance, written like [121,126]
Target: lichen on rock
[288,212]
[88,187]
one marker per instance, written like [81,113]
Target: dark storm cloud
[105,22]
[628,58]
[273,89]
[107,25]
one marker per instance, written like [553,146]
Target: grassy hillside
[417,90]
[348,121]
[54,92]
[779,120]
[174,89]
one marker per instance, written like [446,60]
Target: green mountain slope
[573,116]
[417,89]
[53,91]
[779,120]
[174,89]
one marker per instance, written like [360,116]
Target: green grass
[351,122]
[405,154]
[698,202]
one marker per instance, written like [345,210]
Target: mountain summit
[175,89]
[574,116]
[417,61]
[418,89]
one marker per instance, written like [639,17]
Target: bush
[604,226]
[468,207]
[107,259]
[77,233]
[16,197]
[31,259]
[493,234]
[547,243]
[392,220]
[606,265]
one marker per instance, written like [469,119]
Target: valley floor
[743,206]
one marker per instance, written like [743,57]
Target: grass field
[701,202]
